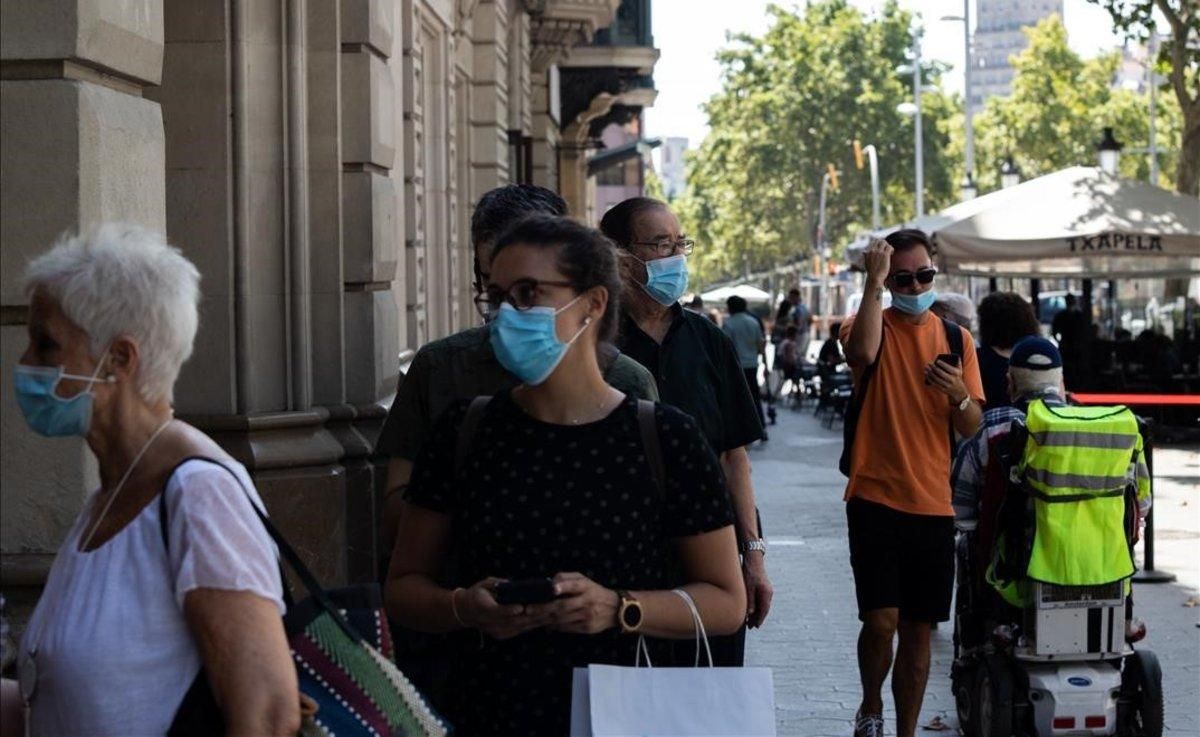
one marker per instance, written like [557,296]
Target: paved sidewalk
[810,636]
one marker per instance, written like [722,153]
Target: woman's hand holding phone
[477,607]
[583,606]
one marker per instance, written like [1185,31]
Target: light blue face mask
[49,414]
[666,278]
[526,341]
[914,304]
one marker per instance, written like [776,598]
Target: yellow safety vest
[1077,466]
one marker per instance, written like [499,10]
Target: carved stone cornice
[558,25]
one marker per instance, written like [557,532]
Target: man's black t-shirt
[993,371]
[697,371]
[535,499]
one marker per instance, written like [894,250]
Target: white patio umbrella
[1079,222]
[745,291]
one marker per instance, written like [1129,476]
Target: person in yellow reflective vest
[1090,454]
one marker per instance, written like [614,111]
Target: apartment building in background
[998,36]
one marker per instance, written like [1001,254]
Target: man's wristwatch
[758,544]
[964,403]
[629,615]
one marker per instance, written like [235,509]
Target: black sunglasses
[905,278]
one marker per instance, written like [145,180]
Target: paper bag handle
[699,625]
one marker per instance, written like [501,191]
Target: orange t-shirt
[901,455]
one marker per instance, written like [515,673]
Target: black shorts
[901,561]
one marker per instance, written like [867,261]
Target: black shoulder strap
[953,336]
[955,339]
[466,431]
[650,441]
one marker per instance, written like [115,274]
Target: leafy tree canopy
[1058,107]
[792,102]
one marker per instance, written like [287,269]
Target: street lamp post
[968,186]
[822,249]
[1010,175]
[873,157]
[1109,150]
[913,110]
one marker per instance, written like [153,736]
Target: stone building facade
[317,160]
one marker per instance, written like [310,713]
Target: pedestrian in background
[955,307]
[697,371]
[555,482]
[1004,319]
[1070,328]
[898,511]
[785,316]
[745,331]
[127,621]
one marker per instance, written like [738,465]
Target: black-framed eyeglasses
[905,279]
[666,248]
[521,294]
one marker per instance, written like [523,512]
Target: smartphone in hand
[524,591]
[949,358]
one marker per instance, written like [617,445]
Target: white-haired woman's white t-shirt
[114,655]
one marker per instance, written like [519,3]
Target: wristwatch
[964,403]
[629,615]
[759,544]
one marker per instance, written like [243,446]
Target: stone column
[79,145]
[250,98]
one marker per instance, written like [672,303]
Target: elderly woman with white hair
[167,569]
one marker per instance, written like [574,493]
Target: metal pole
[1148,574]
[821,251]
[917,123]
[967,112]
[873,157]
[1153,56]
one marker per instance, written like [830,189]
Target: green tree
[792,102]
[1058,106]
[653,186]
[1179,61]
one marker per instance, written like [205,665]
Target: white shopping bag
[616,701]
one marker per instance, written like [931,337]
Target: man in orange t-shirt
[898,511]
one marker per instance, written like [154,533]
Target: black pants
[755,392]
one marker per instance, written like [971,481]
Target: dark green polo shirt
[697,371]
[463,366]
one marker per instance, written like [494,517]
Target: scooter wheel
[962,683]
[1140,711]
[994,698]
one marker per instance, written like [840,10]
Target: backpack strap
[953,337]
[648,427]
[466,431]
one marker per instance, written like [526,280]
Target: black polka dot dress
[535,499]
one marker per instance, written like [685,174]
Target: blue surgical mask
[914,304]
[666,279]
[49,414]
[526,341]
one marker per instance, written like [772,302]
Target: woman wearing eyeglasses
[554,482]
[913,391]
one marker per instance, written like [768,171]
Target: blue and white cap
[1036,354]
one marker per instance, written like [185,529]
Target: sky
[689,33]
